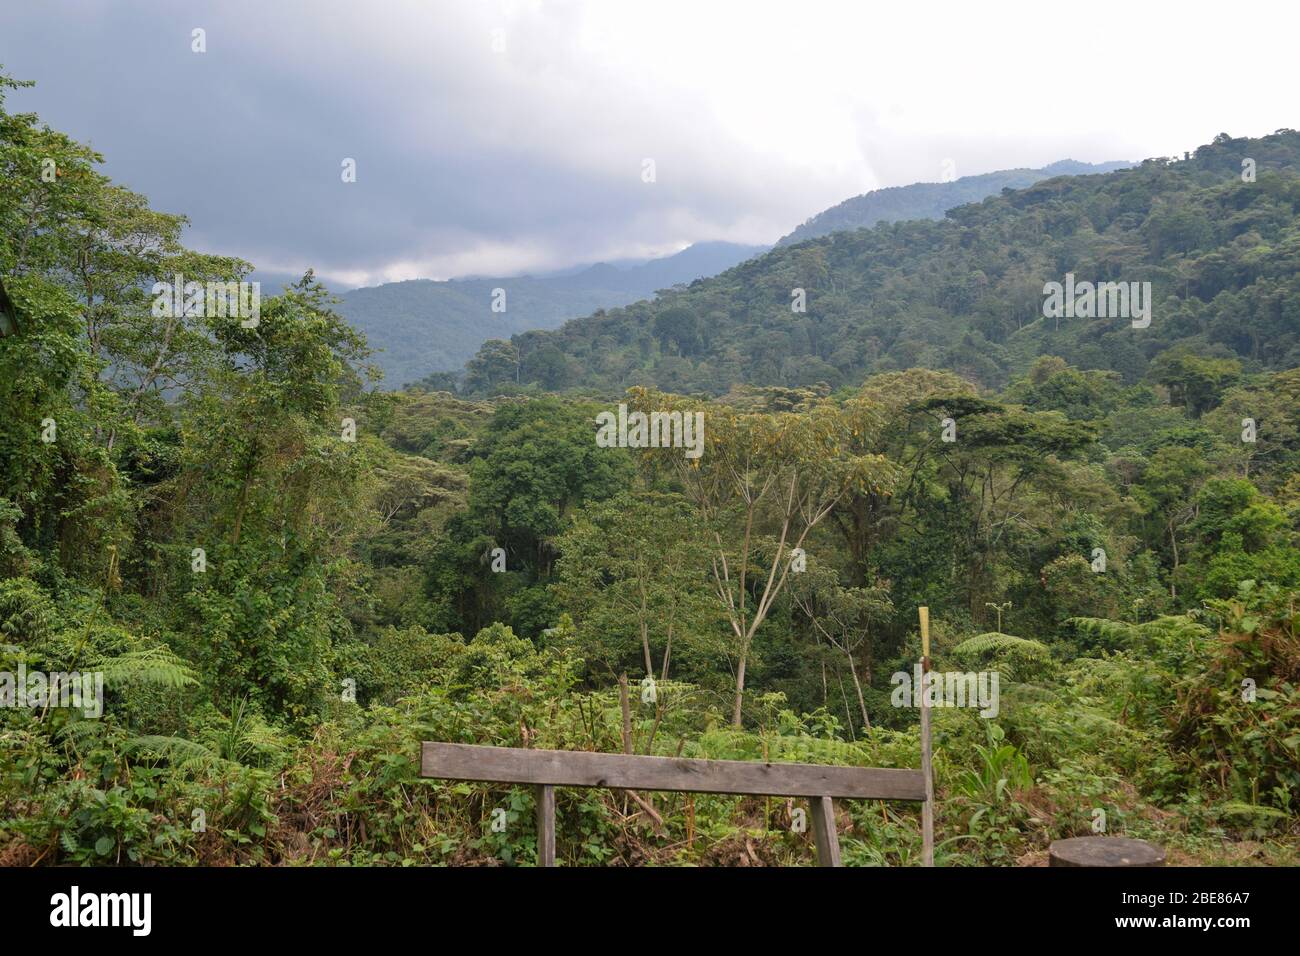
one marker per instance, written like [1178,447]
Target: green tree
[762,483]
[496,363]
[1166,491]
[635,566]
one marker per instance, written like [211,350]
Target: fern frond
[1020,658]
[1113,633]
[995,643]
[154,666]
[178,750]
[262,736]
[81,732]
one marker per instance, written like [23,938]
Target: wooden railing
[547,769]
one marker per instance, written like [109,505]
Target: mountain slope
[423,326]
[931,200]
[967,293]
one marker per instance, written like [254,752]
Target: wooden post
[824,835]
[927,808]
[545,824]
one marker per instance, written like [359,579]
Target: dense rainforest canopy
[287,580]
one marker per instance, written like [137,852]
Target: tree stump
[1104,851]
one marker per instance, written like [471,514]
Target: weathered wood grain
[545,824]
[824,835]
[573,768]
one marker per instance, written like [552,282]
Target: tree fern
[1173,636]
[984,645]
[1109,634]
[155,666]
[1019,657]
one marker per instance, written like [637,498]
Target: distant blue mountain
[424,326]
[932,200]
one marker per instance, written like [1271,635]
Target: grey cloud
[470,161]
[247,139]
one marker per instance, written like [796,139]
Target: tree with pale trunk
[842,619]
[763,482]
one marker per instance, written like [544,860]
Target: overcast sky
[476,159]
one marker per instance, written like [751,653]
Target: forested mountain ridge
[966,293]
[422,326]
[931,200]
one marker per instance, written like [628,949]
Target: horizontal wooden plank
[577,768]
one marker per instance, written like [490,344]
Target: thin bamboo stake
[927,808]
[627,713]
